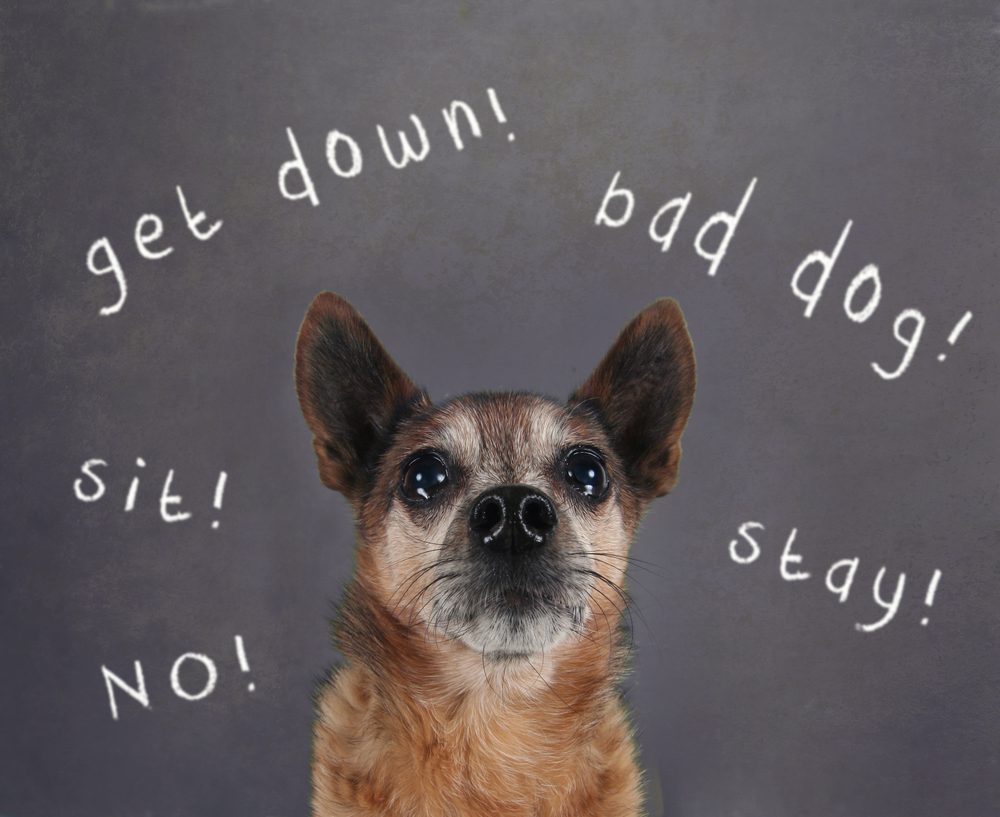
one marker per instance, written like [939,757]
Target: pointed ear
[352,393]
[643,390]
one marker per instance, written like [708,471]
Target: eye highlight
[586,473]
[424,476]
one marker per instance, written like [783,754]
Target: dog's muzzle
[512,520]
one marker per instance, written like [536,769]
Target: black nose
[512,519]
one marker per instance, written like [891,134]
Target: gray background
[753,696]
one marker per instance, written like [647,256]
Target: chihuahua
[482,630]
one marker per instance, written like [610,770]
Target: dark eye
[586,473]
[424,476]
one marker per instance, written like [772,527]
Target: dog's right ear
[352,393]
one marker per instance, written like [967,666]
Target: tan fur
[436,730]
[453,739]
[420,722]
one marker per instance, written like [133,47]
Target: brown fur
[418,728]
[418,724]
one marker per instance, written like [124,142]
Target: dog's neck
[418,727]
[414,668]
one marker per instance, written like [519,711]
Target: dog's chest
[367,762]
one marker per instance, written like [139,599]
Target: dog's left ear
[352,393]
[643,390]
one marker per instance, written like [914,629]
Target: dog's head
[498,521]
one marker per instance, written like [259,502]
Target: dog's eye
[586,473]
[424,476]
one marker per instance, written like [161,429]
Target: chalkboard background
[754,695]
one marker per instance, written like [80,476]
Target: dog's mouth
[506,612]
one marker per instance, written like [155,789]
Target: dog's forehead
[503,431]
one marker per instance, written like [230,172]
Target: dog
[482,630]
